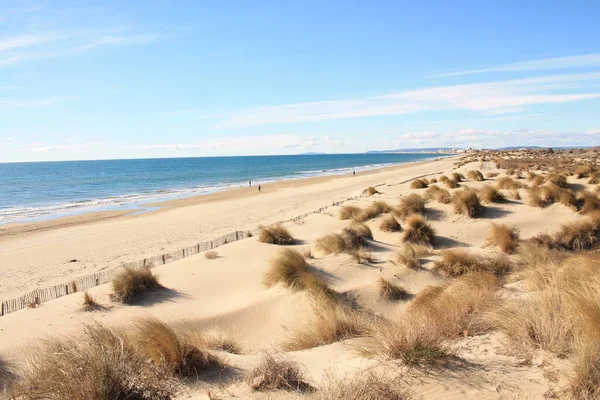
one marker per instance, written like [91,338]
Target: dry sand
[228,292]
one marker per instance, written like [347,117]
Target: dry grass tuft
[409,205]
[433,180]
[490,175]
[362,255]
[507,239]
[390,291]
[594,178]
[557,179]
[450,183]
[372,211]
[370,385]
[489,194]
[216,338]
[178,353]
[290,269]
[438,194]
[211,255]
[581,235]
[419,184]
[131,283]
[275,372]
[454,263]
[418,231]
[350,212]
[332,322]
[508,183]
[457,177]
[371,191]
[409,255]
[389,224]
[275,234]
[475,175]
[99,364]
[587,202]
[89,302]
[467,203]
[584,171]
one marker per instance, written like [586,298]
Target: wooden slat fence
[39,296]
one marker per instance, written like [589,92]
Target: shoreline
[145,208]
[45,254]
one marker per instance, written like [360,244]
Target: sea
[36,191]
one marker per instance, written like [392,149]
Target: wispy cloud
[10,105]
[546,64]
[23,41]
[66,148]
[511,96]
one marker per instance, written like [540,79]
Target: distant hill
[543,147]
[311,153]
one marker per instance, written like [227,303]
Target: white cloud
[23,41]
[10,105]
[511,96]
[593,132]
[580,61]
[68,148]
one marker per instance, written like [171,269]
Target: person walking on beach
[249,183]
[354,173]
[259,188]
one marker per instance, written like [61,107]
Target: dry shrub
[583,171]
[177,353]
[362,255]
[390,291]
[514,195]
[594,178]
[557,179]
[467,203]
[585,379]
[358,230]
[538,196]
[438,194]
[275,372]
[581,235]
[129,284]
[99,364]
[351,239]
[6,376]
[223,339]
[275,234]
[537,180]
[409,255]
[350,212]
[433,180]
[371,191]
[489,194]
[455,263]
[508,183]
[451,184]
[587,202]
[332,322]
[457,177]
[89,302]
[367,385]
[374,210]
[409,205]
[475,175]
[290,269]
[332,243]
[419,184]
[418,231]
[507,239]
[211,255]
[389,224]
[491,175]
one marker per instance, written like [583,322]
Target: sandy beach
[228,294]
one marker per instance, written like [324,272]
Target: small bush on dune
[457,177]
[289,268]
[587,202]
[368,385]
[362,254]
[350,212]
[455,263]
[211,255]
[475,175]
[537,180]
[409,255]
[419,184]
[274,372]
[275,234]
[351,239]
[390,291]
[89,302]
[490,175]
[371,191]
[584,171]
[507,239]
[332,243]
[557,179]
[433,180]
[375,209]
[489,194]
[418,231]
[131,283]
[99,364]
[409,205]
[438,194]
[467,203]
[332,322]
[508,183]
[594,178]
[358,230]
[389,224]
[580,235]
[171,351]
[216,338]
[451,184]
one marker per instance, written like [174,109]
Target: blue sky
[130,79]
